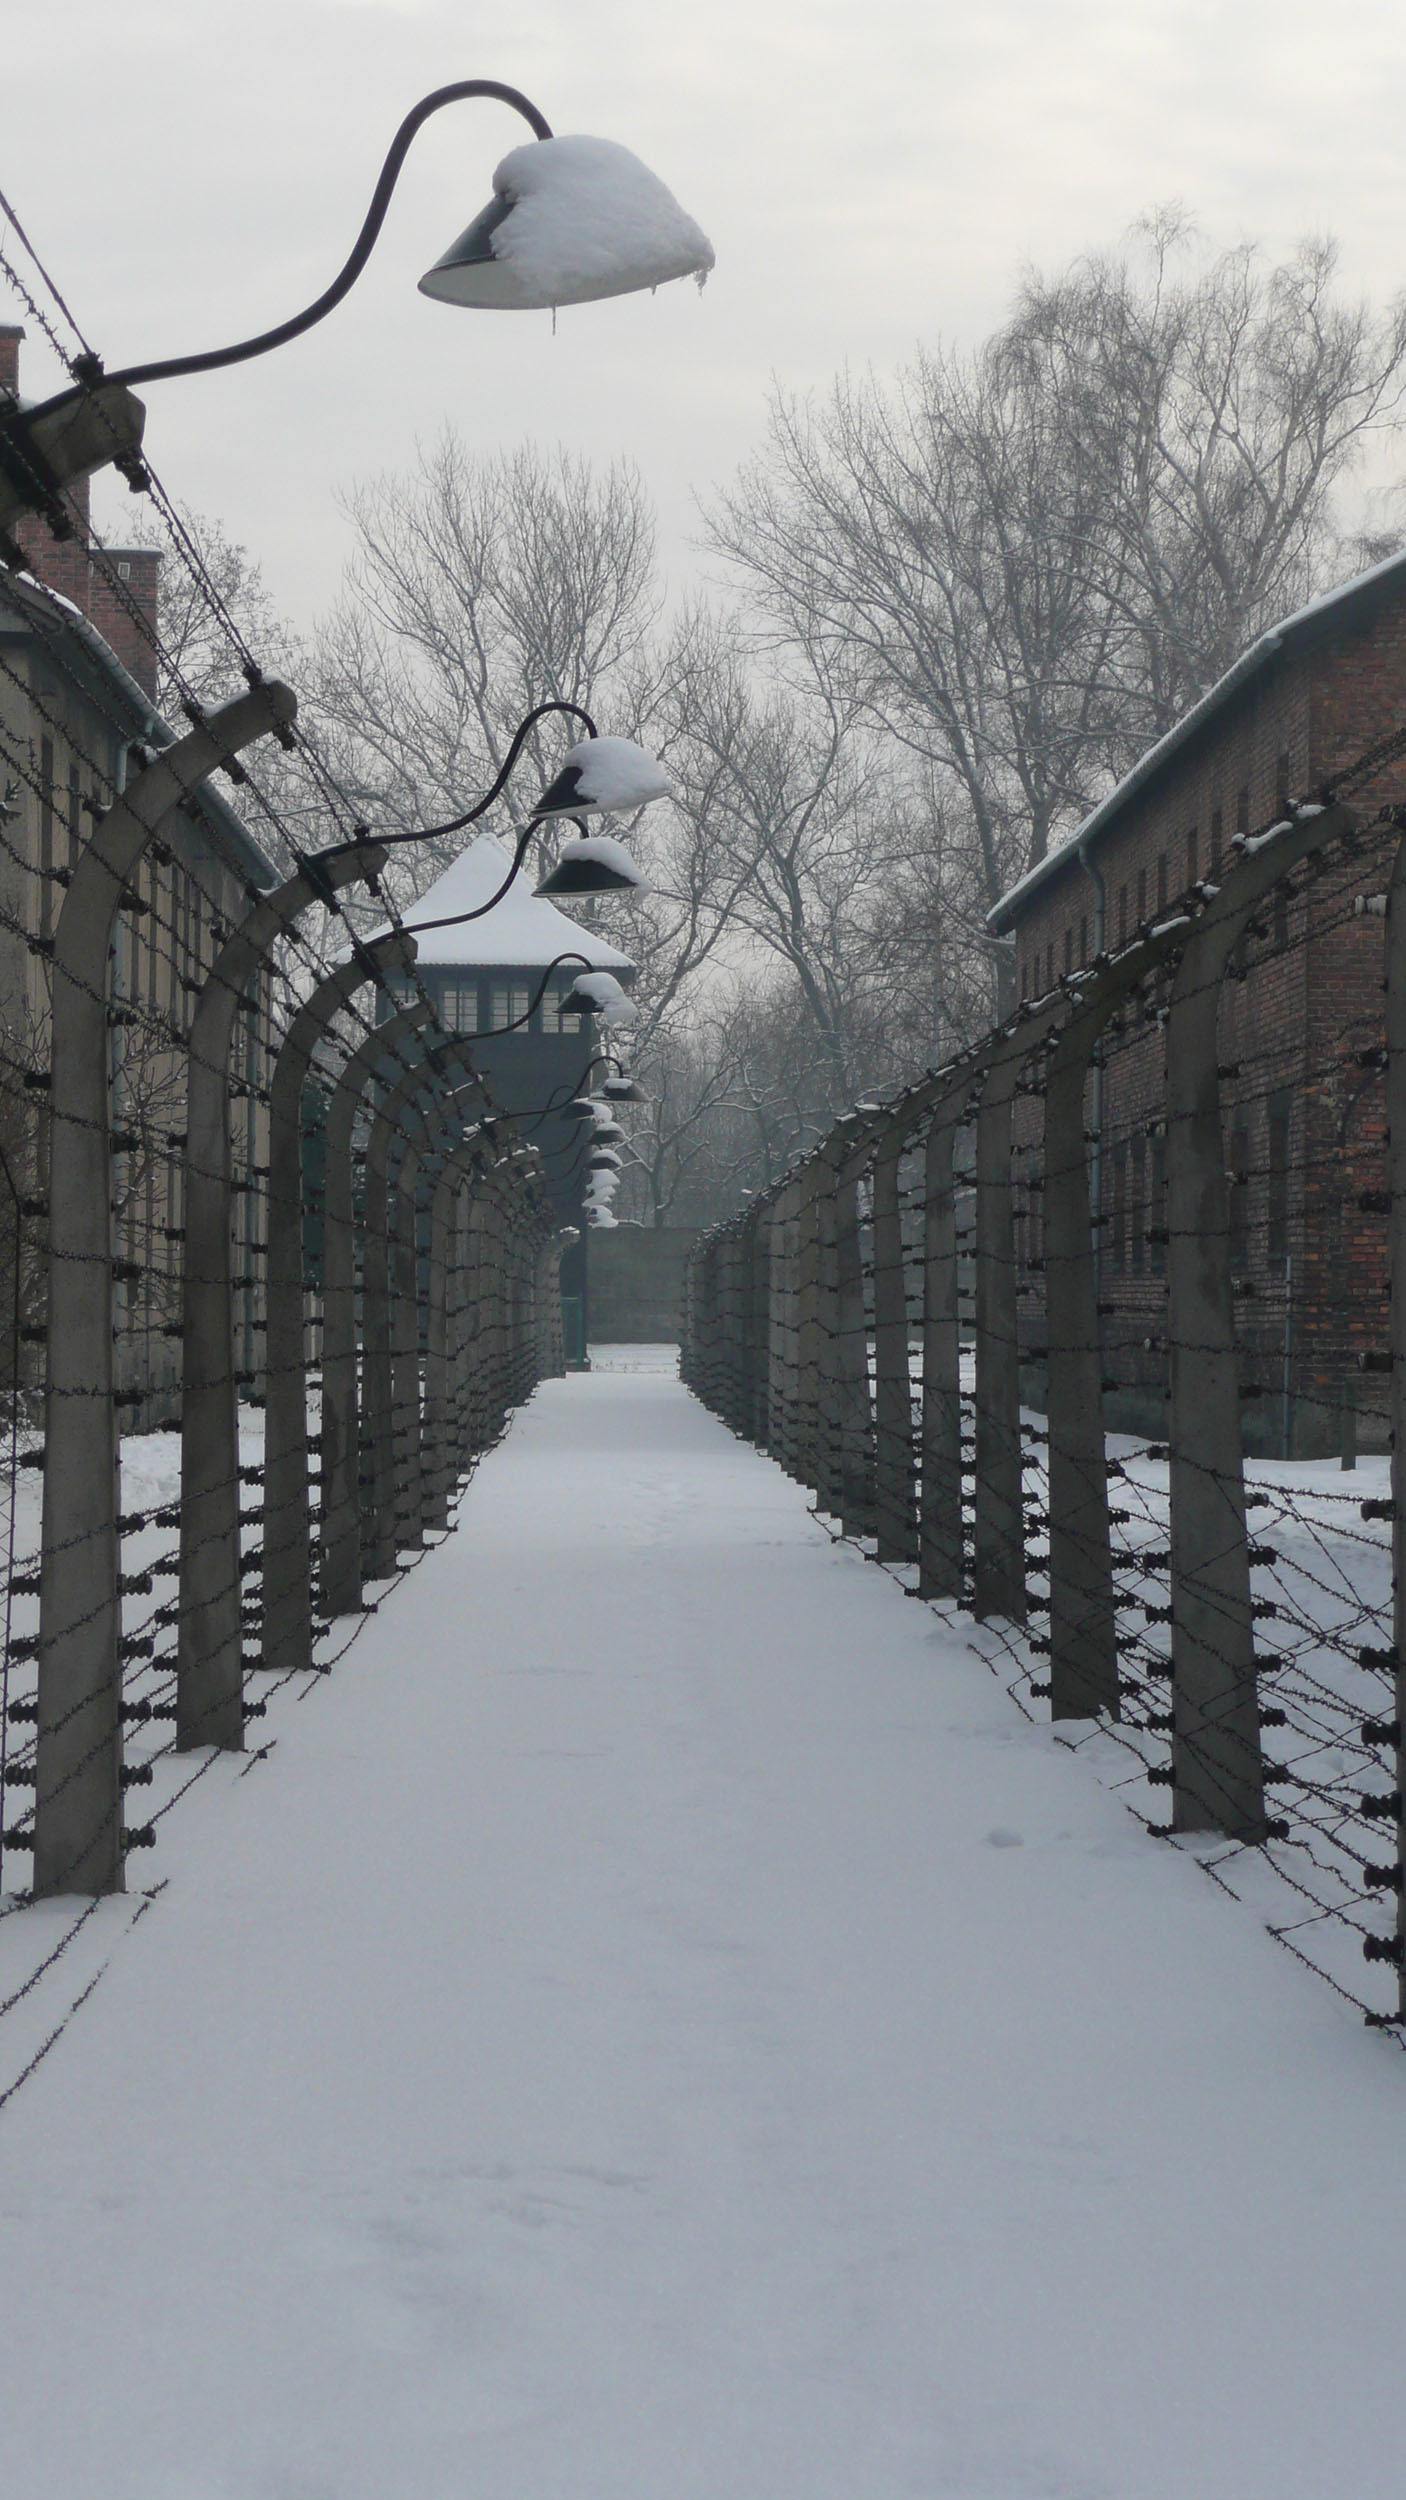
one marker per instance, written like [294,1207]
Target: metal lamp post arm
[169,368]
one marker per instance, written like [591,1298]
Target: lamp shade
[623,1089]
[571,220]
[593,863]
[603,775]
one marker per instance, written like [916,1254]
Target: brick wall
[1304,1007]
[115,589]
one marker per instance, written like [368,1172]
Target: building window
[1276,1235]
[1242,810]
[1162,880]
[1049,965]
[1069,948]
[546,1003]
[507,1004]
[75,817]
[1122,915]
[458,1006]
[1217,839]
[553,1021]
[1193,855]
[1084,939]
[1282,768]
[1142,893]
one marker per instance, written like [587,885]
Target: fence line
[938,1318]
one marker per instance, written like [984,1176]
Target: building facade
[1300,1024]
[504,976]
[76,716]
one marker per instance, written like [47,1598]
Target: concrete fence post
[1217,1752]
[287,1542]
[210,1665]
[78,1843]
[999,1572]
[895,1475]
[386,1053]
[1396,1179]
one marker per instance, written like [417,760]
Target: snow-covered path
[660,2027]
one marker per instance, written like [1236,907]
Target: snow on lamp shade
[605,774]
[623,1089]
[594,994]
[571,220]
[601,1220]
[593,863]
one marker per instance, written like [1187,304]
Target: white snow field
[661,2026]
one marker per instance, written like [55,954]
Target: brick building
[77,679]
[1299,1013]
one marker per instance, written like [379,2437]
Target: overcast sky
[872,172]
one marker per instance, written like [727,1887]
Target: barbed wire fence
[1048,1334]
[253,1197]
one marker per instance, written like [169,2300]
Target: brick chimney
[123,610]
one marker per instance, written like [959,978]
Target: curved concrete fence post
[941,1552]
[287,1544]
[399,1115]
[406,1457]
[1396,1178]
[999,1561]
[1083,1622]
[387,1053]
[895,1472]
[78,1843]
[786,1318]
[999,1503]
[851,1470]
[761,1232]
[442,1315]
[210,1666]
[1217,1753]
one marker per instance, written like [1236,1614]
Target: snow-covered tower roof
[522,930]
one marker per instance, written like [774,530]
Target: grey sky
[870,171]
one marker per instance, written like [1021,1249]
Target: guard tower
[483,977]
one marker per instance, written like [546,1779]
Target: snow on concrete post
[394,1045]
[210,1660]
[78,1845]
[1217,1753]
[287,1540]
[895,1486]
[1396,1180]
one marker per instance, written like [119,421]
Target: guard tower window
[507,1004]
[553,1021]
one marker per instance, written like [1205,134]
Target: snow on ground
[660,2026]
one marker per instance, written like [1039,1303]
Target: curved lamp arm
[89,369]
[456,824]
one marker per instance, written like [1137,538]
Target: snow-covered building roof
[1253,658]
[523,929]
